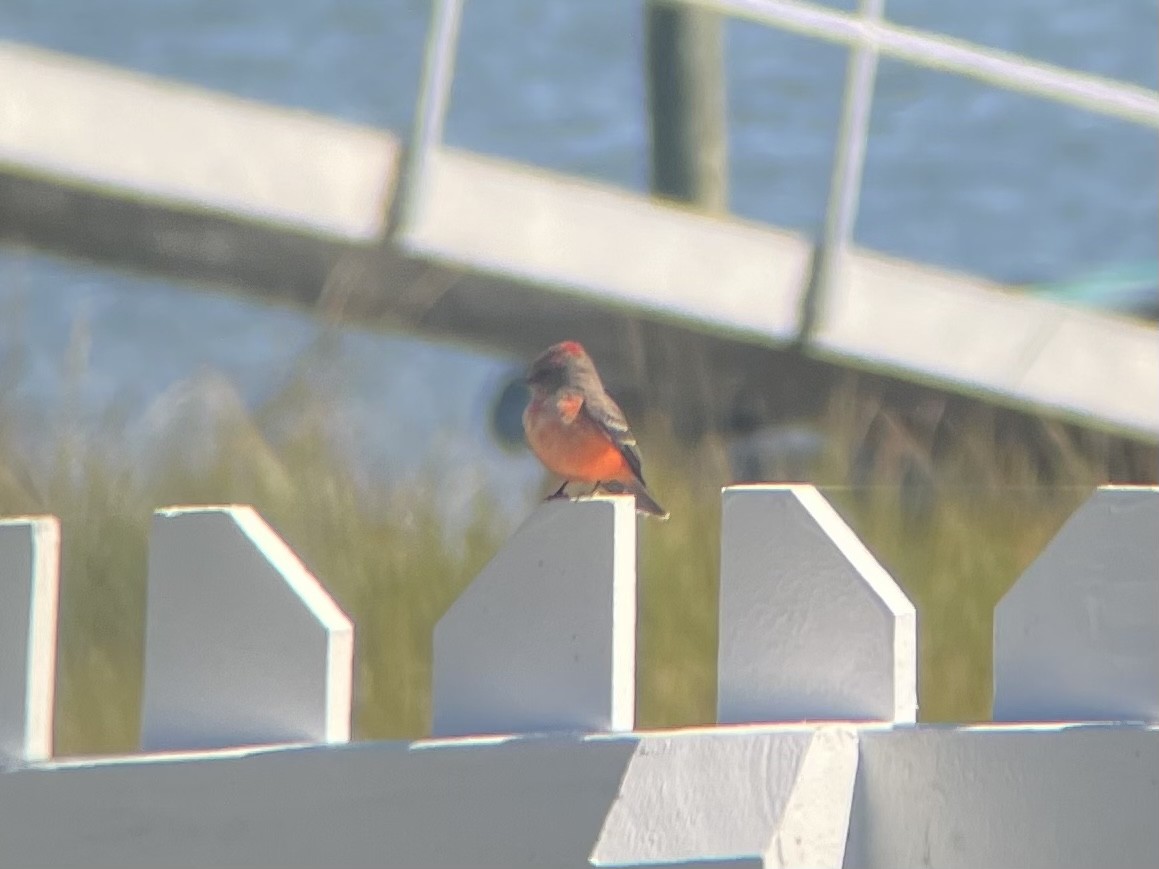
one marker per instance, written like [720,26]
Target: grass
[388,556]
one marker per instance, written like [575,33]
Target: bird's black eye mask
[549,378]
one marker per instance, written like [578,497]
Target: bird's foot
[598,488]
[561,492]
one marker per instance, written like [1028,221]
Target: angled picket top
[227,595]
[1078,637]
[816,759]
[816,628]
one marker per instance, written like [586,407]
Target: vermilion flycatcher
[578,431]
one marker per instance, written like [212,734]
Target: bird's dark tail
[645,503]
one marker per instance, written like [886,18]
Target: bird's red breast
[572,445]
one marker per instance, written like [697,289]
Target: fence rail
[816,759]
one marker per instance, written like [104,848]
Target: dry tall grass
[385,550]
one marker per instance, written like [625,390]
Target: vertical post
[848,163]
[434,97]
[687,104]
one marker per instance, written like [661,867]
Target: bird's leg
[608,487]
[559,493]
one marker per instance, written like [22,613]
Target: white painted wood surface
[545,637]
[29,590]
[292,168]
[526,803]
[1077,637]
[811,626]
[247,623]
[1066,797]
[570,235]
[967,334]
[777,796]
[242,644]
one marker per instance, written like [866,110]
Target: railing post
[687,104]
[848,166]
[434,97]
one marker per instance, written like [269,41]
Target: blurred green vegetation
[388,555]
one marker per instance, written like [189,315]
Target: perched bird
[578,431]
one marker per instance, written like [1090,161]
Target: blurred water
[957,174]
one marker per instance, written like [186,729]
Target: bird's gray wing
[605,413]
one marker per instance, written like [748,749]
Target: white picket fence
[816,762]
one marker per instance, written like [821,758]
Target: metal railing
[868,35]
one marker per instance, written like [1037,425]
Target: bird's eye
[547,378]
